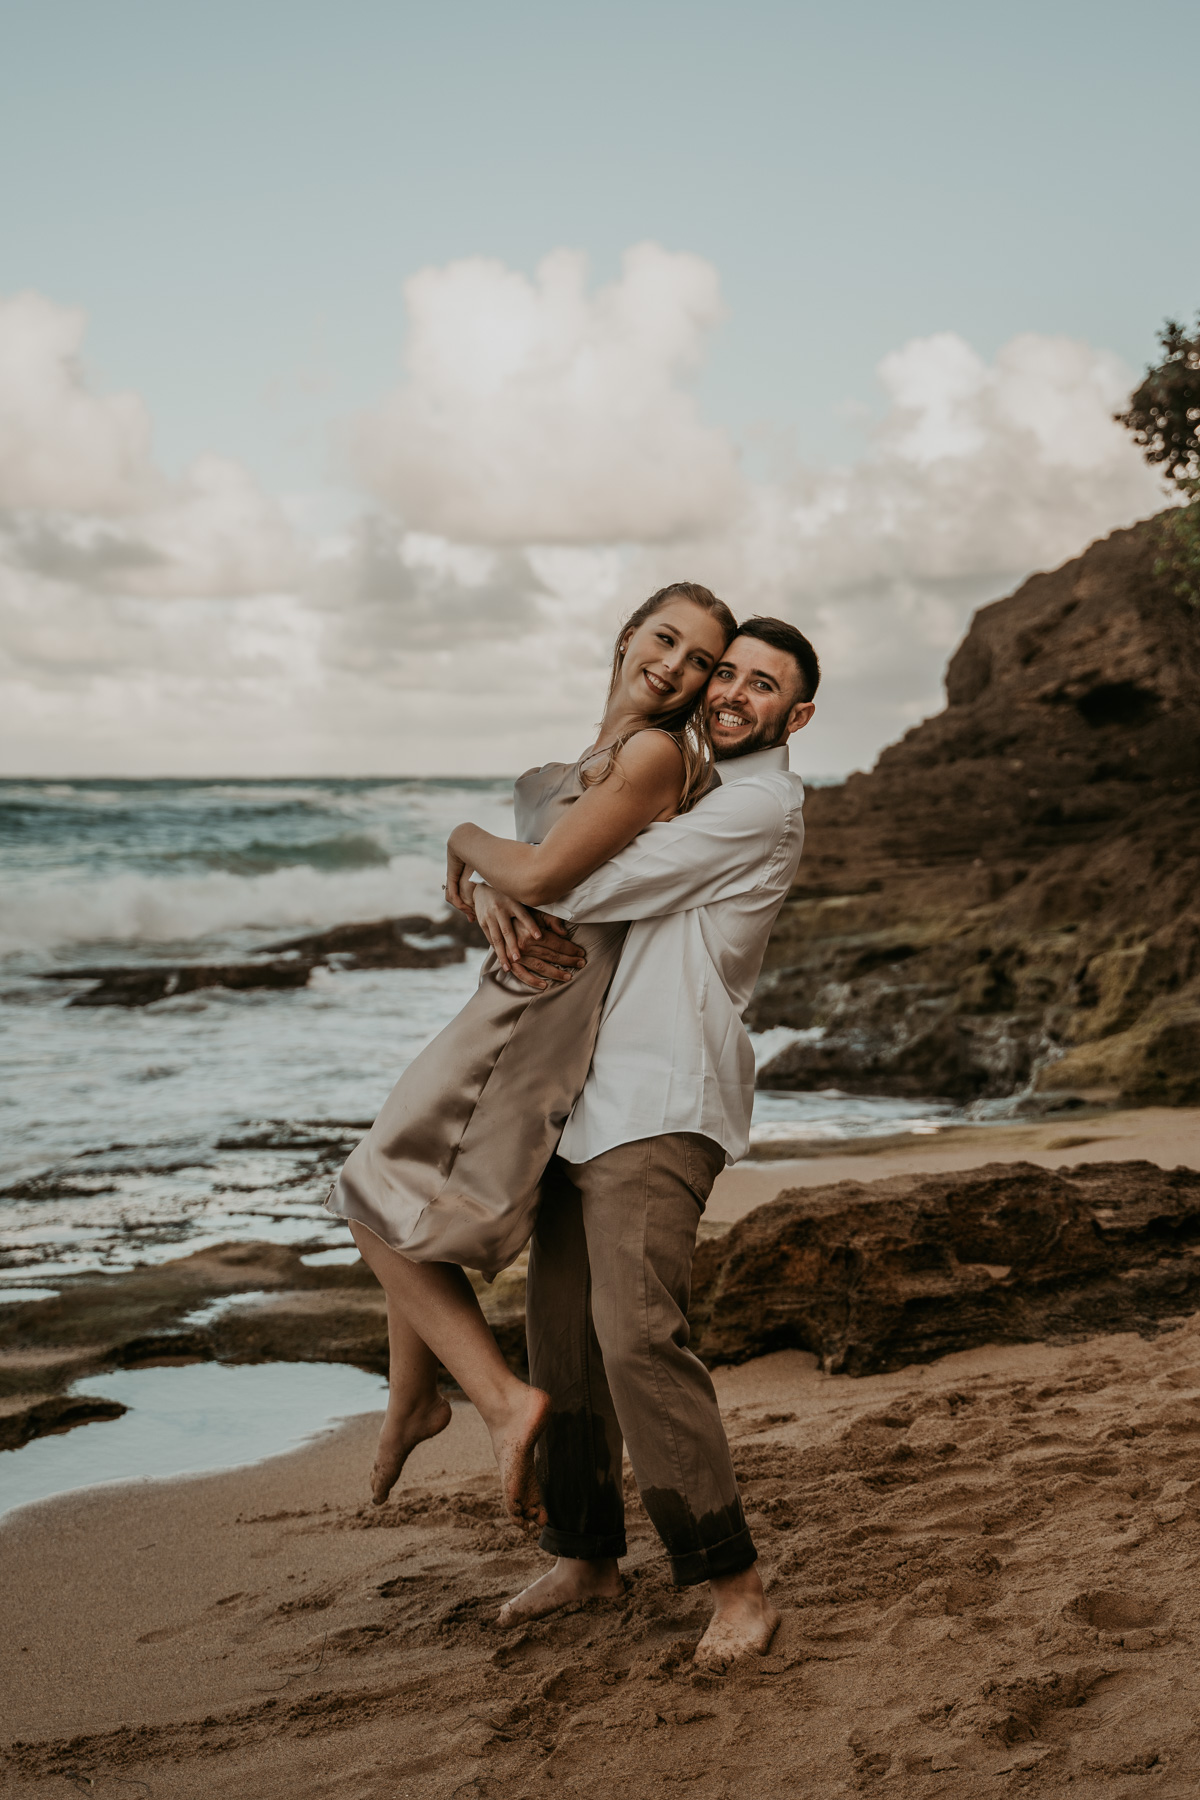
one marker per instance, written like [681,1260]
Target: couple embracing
[584,1101]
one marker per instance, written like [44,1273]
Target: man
[667,1103]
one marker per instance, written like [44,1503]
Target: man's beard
[763,737]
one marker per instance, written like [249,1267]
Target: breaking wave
[50,913]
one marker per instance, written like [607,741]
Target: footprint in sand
[1107,1609]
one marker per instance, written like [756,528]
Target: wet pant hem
[729,1557]
[580,1546]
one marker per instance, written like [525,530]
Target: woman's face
[669,657]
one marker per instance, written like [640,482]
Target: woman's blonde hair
[687,723]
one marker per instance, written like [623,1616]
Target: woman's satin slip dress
[450,1170]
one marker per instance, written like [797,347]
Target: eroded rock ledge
[870,1276]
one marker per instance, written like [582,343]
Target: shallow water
[135,1135]
[187,1421]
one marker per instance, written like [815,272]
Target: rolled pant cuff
[729,1557]
[583,1549]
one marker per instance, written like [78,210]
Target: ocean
[134,1135]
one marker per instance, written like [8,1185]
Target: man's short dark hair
[782,636]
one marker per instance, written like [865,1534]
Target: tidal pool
[188,1421]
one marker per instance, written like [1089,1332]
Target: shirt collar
[757,762]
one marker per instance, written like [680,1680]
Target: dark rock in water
[410,942]
[46,1415]
[141,987]
[871,1276]
[1010,896]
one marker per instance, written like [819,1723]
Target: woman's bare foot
[743,1622]
[514,1435]
[401,1432]
[568,1582]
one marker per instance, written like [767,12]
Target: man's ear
[800,714]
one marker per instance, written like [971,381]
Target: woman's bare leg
[435,1309]
[416,1408]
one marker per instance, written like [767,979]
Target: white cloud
[61,446]
[976,470]
[543,469]
[85,502]
[534,412]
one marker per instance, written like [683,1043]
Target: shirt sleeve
[726,845]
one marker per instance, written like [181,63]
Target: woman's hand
[534,949]
[458,876]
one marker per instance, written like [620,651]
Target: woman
[448,1175]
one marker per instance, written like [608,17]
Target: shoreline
[251,1302]
[981,1564]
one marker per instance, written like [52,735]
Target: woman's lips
[657,685]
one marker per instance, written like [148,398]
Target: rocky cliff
[1011,898]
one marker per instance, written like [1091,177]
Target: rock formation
[872,1276]
[868,1276]
[411,942]
[1011,895]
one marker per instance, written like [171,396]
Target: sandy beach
[986,1567]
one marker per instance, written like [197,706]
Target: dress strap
[611,749]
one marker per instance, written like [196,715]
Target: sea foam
[129,907]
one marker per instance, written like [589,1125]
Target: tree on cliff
[1164,417]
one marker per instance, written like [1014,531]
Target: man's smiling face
[753,698]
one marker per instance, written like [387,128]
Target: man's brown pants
[609,1277]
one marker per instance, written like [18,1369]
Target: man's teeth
[731,721]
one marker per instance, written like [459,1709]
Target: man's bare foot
[399,1435]
[513,1439]
[743,1621]
[568,1582]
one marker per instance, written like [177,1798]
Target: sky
[362,365]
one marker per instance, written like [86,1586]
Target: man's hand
[530,945]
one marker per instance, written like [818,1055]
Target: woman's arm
[643,784]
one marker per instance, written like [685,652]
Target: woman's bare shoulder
[649,751]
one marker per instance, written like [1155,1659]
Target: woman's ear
[623,646]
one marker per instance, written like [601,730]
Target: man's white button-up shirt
[703,892]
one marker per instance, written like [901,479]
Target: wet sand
[987,1567]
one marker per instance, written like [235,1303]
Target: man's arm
[725,846]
